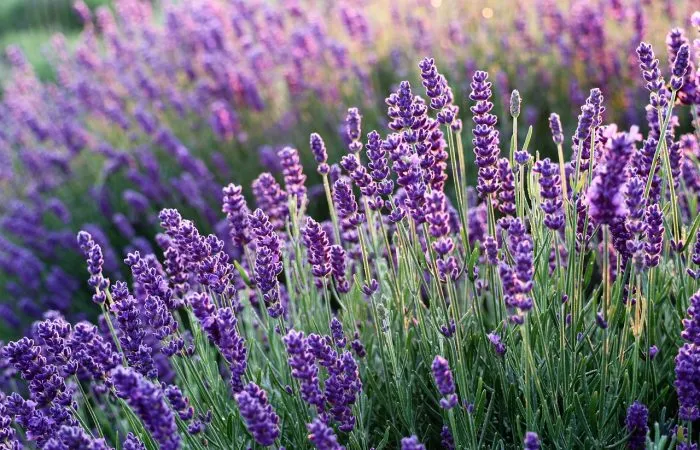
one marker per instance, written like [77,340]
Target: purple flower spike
[270,197]
[345,203]
[606,193]
[260,419]
[445,382]
[179,402]
[556,129]
[447,440]
[654,230]
[434,83]
[588,121]
[337,332]
[293,172]
[650,67]
[531,441]
[506,187]
[550,190]
[318,148]
[688,363]
[148,402]
[132,443]
[636,422]
[268,261]
[353,123]
[680,66]
[439,228]
[411,443]
[322,436]
[95,261]
[301,360]
[236,209]
[338,267]
[498,345]
[683,69]
[486,138]
[318,250]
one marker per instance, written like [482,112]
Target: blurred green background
[30,24]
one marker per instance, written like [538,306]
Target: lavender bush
[153,109]
[551,303]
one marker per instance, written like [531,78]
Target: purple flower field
[422,224]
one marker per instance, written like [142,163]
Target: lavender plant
[556,305]
[131,122]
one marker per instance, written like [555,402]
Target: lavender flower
[378,165]
[271,199]
[148,402]
[434,83]
[236,209]
[650,67]
[132,443]
[407,113]
[695,257]
[498,346]
[220,327]
[447,441]
[680,66]
[506,187]
[260,419]
[643,162]
[688,364]
[653,351]
[347,206]
[301,360]
[636,422]
[407,166]
[531,441]
[337,332]
[588,121]
[444,381]
[654,230]
[515,103]
[133,335]
[357,346]
[95,261]
[359,175]
[318,148]
[322,436]
[353,123]
[411,443]
[338,266]
[606,193]
[268,261]
[517,280]
[70,437]
[318,250]
[684,76]
[486,139]
[550,191]
[439,228]
[294,177]
[556,129]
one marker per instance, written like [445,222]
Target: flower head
[260,419]
[636,422]
[531,441]
[444,381]
[411,443]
